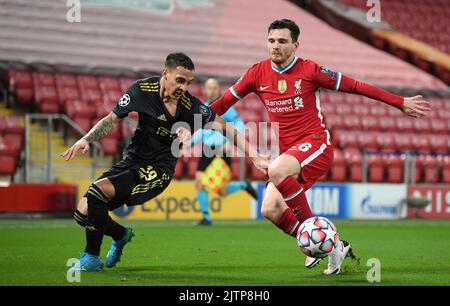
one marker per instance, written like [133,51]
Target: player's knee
[276,174]
[80,218]
[96,197]
[269,209]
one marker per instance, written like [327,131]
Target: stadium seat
[14,143]
[347,139]
[124,83]
[422,125]
[353,158]
[385,142]
[66,80]
[421,144]
[439,143]
[403,142]
[352,122]
[370,123]
[8,165]
[431,169]
[43,79]
[334,122]
[446,170]
[376,168]
[110,145]
[404,124]
[439,126]
[179,169]
[79,109]
[387,124]
[368,141]
[394,167]
[21,85]
[339,167]
[107,84]
[87,82]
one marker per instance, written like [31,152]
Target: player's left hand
[184,135]
[416,106]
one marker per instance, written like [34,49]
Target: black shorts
[135,184]
[204,162]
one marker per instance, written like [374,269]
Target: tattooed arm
[100,130]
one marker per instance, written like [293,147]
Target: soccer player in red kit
[289,88]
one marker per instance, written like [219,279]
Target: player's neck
[286,63]
[165,95]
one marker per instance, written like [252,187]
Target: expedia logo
[169,206]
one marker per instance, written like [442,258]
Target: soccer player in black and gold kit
[149,161]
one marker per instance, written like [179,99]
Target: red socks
[294,196]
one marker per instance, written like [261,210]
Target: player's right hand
[416,106]
[262,162]
[81,144]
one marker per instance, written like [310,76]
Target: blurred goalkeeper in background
[218,144]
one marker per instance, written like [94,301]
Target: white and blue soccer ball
[317,236]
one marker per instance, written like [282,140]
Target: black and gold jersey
[155,132]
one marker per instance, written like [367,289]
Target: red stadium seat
[347,139]
[107,84]
[387,124]
[422,125]
[439,126]
[21,85]
[439,143]
[79,109]
[8,165]
[352,122]
[404,125]
[394,166]
[87,82]
[376,167]
[67,94]
[403,142]
[446,170]
[334,122]
[421,144]
[385,142]
[125,83]
[353,158]
[110,145]
[431,169]
[66,80]
[14,142]
[370,123]
[339,167]
[368,141]
[179,169]
[43,79]
[10,125]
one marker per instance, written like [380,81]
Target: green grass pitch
[412,252]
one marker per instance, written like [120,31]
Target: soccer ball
[317,237]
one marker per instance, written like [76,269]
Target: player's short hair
[174,60]
[286,24]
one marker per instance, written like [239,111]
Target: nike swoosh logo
[263,87]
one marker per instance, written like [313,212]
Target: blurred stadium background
[58,78]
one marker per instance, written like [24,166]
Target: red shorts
[315,158]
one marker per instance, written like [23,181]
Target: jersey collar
[280,71]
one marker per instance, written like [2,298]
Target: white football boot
[337,256]
[311,262]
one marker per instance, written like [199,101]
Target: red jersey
[291,96]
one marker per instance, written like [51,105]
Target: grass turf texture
[413,252]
